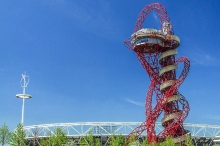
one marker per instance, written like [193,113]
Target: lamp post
[24,82]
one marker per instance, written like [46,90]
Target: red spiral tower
[156,50]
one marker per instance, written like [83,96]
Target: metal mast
[24,82]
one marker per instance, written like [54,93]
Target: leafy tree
[132,141]
[168,142]
[47,140]
[145,142]
[59,138]
[4,135]
[117,141]
[70,143]
[188,141]
[97,142]
[89,140]
[18,137]
[83,142]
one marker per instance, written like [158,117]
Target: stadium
[201,134]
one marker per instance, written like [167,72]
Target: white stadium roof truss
[108,128]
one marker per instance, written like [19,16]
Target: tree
[116,141]
[70,143]
[4,135]
[89,140]
[83,142]
[168,142]
[145,142]
[97,142]
[188,141]
[132,141]
[46,141]
[59,138]
[18,137]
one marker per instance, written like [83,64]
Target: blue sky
[80,70]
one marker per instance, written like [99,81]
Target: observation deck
[148,38]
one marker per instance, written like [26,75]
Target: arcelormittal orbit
[156,50]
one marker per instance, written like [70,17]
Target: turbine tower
[24,82]
[156,50]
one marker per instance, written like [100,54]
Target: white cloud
[214,117]
[134,102]
[202,58]
[155,15]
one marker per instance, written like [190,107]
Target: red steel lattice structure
[156,50]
